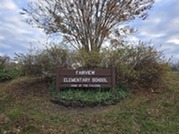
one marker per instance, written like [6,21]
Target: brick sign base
[85,78]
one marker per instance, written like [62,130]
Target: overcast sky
[161,27]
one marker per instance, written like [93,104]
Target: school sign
[86,78]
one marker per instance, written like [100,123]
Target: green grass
[143,113]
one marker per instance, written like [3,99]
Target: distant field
[25,108]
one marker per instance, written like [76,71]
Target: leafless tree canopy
[85,23]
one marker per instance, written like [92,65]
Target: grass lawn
[25,107]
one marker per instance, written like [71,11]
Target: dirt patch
[3,119]
[25,86]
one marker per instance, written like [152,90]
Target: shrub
[88,59]
[8,70]
[88,97]
[44,62]
[4,60]
[138,66]
[4,76]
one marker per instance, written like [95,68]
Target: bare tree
[85,24]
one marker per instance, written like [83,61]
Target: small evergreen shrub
[8,70]
[88,97]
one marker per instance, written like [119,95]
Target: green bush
[4,76]
[89,97]
[9,74]
[8,70]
